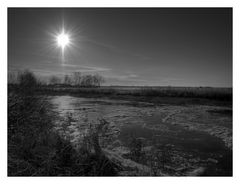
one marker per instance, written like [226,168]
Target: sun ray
[63,40]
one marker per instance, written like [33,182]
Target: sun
[63,40]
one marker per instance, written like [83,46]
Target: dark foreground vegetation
[35,149]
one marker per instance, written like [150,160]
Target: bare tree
[87,81]
[77,78]
[98,80]
[27,82]
[26,79]
[67,80]
[41,81]
[54,80]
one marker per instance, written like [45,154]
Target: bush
[27,79]
[27,82]
[35,149]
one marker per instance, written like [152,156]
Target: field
[189,92]
[126,131]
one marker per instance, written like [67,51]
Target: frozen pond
[197,136]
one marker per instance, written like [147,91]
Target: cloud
[102,44]
[125,78]
[172,80]
[44,72]
[86,68]
[132,75]
[47,68]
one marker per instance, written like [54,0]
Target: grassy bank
[36,149]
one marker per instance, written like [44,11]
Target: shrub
[27,79]
[35,149]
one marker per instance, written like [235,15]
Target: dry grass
[223,94]
[35,149]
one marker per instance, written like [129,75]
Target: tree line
[28,78]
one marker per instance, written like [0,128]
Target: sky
[128,46]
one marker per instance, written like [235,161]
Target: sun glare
[62,40]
